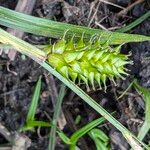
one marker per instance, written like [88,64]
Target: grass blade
[97,133]
[52,137]
[79,133]
[55,29]
[100,139]
[64,138]
[99,144]
[134,23]
[34,102]
[31,124]
[146,96]
[30,120]
[39,124]
[28,49]
[125,91]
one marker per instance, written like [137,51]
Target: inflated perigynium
[89,62]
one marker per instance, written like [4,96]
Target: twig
[107,2]
[101,26]
[24,6]
[8,69]
[5,133]
[92,5]
[19,141]
[91,20]
[123,12]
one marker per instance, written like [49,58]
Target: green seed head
[89,62]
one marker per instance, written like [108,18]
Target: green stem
[57,109]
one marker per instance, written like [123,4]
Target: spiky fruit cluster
[88,61]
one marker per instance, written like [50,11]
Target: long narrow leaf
[57,109]
[134,23]
[31,124]
[34,102]
[100,139]
[79,133]
[97,133]
[28,49]
[146,95]
[49,28]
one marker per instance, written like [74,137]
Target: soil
[17,83]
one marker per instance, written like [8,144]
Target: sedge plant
[71,60]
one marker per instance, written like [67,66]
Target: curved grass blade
[28,49]
[34,102]
[100,139]
[146,96]
[31,124]
[134,23]
[55,29]
[52,137]
[97,133]
[81,132]
[64,138]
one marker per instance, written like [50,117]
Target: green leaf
[99,144]
[34,102]
[39,124]
[79,133]
[146,96]
[100,139]
[97,133]
[134,23]
[77,119]
[64,138]
[52,137]
[31,124]
[55,29]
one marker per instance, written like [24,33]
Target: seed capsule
[89,62]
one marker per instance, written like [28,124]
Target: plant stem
[57,109]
